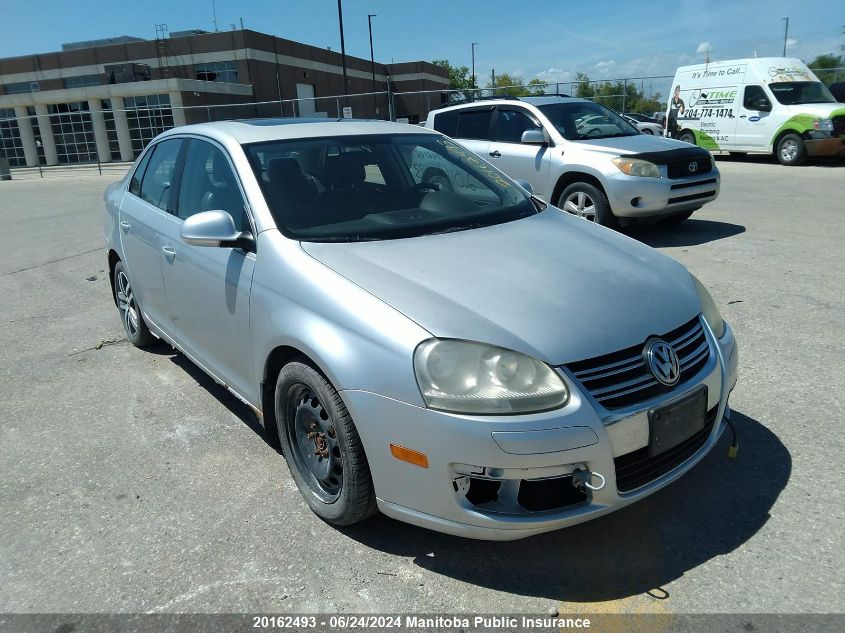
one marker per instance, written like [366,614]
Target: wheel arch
[113,259]
[570,177]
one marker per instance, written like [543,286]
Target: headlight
[467,377]
[709,309]
[823,125]
[636,167]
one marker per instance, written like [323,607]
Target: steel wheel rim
[789,149]
[313,438]
[126,304]
[581,204]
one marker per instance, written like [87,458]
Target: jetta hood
[552,285]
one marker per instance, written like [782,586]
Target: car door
[473,129]
[752,125]
[144,219]
[517,159]
[208,288]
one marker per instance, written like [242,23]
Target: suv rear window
[474,124]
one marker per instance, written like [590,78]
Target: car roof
[259,130]
[535,101]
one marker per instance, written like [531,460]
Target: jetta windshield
[584,120]
[386,186]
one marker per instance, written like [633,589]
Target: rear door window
[474,124]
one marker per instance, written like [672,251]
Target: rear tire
[647,131]
[687,137]
[587,201]
[791,150]
[136,329]
[322,446]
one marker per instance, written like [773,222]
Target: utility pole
[214,15]
[785,34]
[342,45]
[474,44]
[370,17]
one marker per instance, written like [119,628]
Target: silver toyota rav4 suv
[583,158]
[474,361]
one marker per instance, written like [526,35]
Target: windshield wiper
[341,238]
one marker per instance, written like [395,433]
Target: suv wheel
[791,150]
[587,201]
[322,446]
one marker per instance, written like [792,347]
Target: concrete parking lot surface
[130,482]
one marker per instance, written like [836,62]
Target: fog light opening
[635,202]
[482,491]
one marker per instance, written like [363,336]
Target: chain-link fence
[99,135]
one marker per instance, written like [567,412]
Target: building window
[73,132]
[22,87]
[10,138]
[82,80]
[111,130]
[226,72]
[36,132]
[147,117]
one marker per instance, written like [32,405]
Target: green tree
[585,89]
[823,62]
[508,85]
[459,79]
[618,95]
[537,87]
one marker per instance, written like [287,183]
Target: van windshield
[584,120]
[795,92]
[381,186]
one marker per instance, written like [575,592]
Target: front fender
[358,341]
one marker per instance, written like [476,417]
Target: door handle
[495,153]
[125,225]
[742,116]
[169,252]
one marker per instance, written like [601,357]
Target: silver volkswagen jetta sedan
[460,355]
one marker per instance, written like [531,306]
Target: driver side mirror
[214,228]
[534,137]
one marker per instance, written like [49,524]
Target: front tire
[322,446]
[687,137]
[587,201]
[648,131]
[136,329]
[791,150]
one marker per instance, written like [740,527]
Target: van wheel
[322,446]
[687,137]
[587,201]
[791,150]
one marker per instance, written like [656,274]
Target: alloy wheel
[581,204]
[127,305]
[789,150]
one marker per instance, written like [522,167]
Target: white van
[769,104]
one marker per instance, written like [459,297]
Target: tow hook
[583,478]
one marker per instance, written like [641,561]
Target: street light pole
[474,44]
[785,33]
[370,17]
[342,45]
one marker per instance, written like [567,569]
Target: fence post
[624,95]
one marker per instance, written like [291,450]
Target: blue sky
[532,38]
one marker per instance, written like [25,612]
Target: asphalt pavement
[130,482]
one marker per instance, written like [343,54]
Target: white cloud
[703,47]
[553,75]
[605,64]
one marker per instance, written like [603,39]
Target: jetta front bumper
[508,477]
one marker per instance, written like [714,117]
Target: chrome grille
[622,379]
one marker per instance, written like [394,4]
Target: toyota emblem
[693,167]
[663,362]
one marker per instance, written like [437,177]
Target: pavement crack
[52,261]
[103,343]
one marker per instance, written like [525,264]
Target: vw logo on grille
[663,362]
[693,167]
